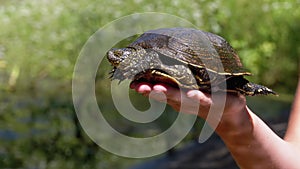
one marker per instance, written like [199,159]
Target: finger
[174,95]
[170,91]
[203,98]
[142,87]
[158,96]
[164,93]
[160,88]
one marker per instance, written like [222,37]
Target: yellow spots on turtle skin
[198,78]
[259,90]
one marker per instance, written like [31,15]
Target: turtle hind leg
[243,86]
[252,89]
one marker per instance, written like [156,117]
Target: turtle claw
[264,91]
[252,89]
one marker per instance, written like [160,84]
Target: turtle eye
[118,53]
[114,56]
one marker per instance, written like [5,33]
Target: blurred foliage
[41,39]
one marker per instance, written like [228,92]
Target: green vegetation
[40,41]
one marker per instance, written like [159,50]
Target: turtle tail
[252,89]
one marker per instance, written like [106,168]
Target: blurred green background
[41,39]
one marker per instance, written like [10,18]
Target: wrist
[235,124]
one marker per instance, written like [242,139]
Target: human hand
[194,101]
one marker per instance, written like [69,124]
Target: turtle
[187,58]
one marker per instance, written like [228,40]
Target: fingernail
[159,88]
[159,96]
[144,89]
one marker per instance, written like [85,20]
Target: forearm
[293,130]
[253,144]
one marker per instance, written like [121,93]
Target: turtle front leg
[168,68]
[182,75]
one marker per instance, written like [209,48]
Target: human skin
[251,142]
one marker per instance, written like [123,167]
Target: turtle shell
[184,57]
[193,47]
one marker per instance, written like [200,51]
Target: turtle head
[126,62]
[116,56]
